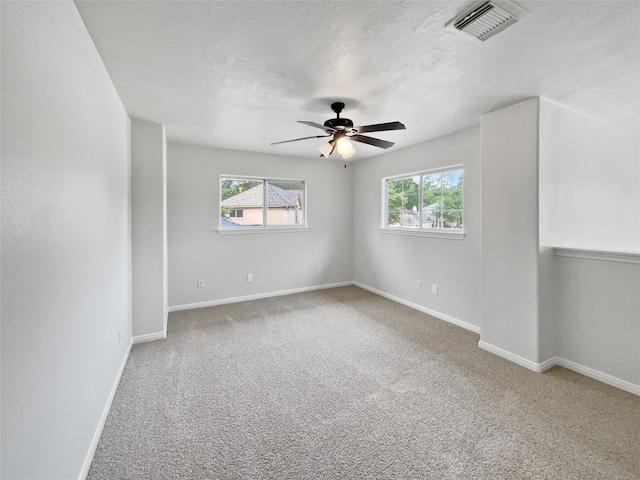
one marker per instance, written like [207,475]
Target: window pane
[452,199]
[394,208]
[452,178]
[284,200]
[241,202]
[452,219]
[410,187]
[441,205]
[402,202]
[394,203]
[431,190]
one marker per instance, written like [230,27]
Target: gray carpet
[344,384]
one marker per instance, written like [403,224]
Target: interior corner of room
[109,219]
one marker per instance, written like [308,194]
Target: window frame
[265,227]
[439,232]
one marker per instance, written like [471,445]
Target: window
[243,201]
[429,201]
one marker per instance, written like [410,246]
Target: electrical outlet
[434,289]
[200,283]
[320,269]
[249,277]
[418,285]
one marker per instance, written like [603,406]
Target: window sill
[436,233]
[253,230]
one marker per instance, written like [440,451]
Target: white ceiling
[238,74]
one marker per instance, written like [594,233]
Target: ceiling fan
[344,132]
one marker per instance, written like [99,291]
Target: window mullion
[265,200]
[420,202]
[441,219]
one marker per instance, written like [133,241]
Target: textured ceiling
[238,74]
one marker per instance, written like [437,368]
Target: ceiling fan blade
[317,125]
[297,139]
[380,127]
[376,142]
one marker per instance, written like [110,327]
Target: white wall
[598,319]
[391,263]
[65,241]
[589,182]
[590,199]
[510,231]
[279,261]
[149,229]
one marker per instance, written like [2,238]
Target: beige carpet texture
[345,384]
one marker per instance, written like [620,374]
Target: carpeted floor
[344,384]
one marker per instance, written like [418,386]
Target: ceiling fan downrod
[337,107]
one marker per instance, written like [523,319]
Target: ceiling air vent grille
[485,19]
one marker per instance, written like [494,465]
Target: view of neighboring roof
[226,223]
[277,197]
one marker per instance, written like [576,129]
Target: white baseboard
[149,337]
[415,306]
[512,357]
[258,296]
[103,418]
[600,376]
[562,362]
[547,364]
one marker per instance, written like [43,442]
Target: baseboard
[512,357]
[103,418]
[600,376]
[258,296]
[547,364]
[563,362]
[149,337]
[415,306]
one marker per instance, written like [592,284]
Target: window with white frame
[248,202]
[425,201]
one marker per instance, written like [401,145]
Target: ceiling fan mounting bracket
[337,107]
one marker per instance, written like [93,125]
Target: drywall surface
[589,182]
[279,261]
[392,262]
[65,241]
[509,139]
[598,305]
[548,317]
[148,228]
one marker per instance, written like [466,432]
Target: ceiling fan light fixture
[345,148]
[326,148]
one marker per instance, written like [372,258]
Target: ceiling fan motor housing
[339,123]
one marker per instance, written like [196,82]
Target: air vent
[485,19]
